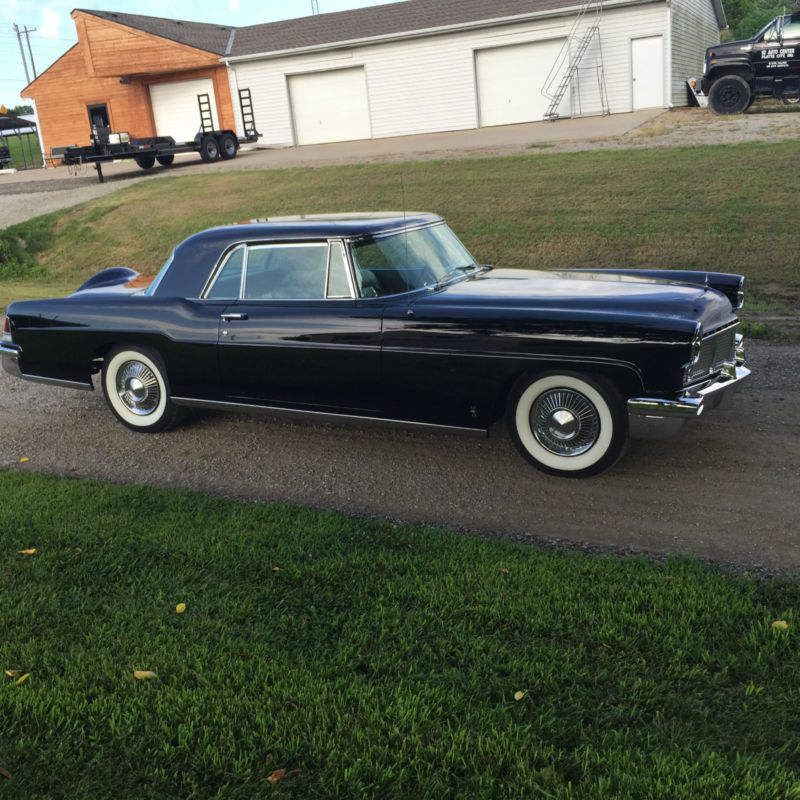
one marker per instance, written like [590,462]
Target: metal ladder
[563,71]
[248,116]
[206,117]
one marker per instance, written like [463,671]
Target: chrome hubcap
[565,422]
[138,388]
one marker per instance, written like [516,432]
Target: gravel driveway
[725,488]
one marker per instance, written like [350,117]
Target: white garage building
[440,65]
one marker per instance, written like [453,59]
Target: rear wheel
[165,161]
[209,149]
[568,424]
[145,162]
[137,391]
[730,94]
[228,146]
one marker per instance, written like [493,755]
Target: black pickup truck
[768,65]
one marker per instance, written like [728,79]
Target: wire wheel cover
[565,422]
[138,388]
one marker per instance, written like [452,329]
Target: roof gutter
[419,34]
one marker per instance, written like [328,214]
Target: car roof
[327,225]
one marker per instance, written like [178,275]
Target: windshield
[403,262]
[150,291]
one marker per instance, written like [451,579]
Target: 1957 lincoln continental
[388,316]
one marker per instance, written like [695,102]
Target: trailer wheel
[228,145]
[209,149]
[165,161]
[145,162]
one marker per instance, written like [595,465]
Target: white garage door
[330,106]
[510,81]
[176,110]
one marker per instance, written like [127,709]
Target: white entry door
[647,70]
[510,81]
[176,109]
[330,106]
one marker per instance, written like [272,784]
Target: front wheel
[730,94]
[137,391]
[568,424]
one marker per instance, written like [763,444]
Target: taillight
[7,328]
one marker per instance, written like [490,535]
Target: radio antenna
[405,235]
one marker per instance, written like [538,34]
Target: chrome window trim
[266,246]
[343,250]
[218,267]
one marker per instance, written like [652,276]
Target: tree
[22,109]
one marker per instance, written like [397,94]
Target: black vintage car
[388,316]
[768,65]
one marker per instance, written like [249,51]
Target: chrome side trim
[690,404]
[87,387]
[324,416]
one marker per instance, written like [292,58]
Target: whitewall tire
[568,424]
[136,390]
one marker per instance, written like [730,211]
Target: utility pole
[315,6]
[27,33]
[22,52]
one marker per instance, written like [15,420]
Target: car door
[295,336]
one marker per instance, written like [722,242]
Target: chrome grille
[717,349]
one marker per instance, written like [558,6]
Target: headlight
[740,294]
[697,343]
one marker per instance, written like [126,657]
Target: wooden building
[133,80]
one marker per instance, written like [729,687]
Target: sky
[55,30]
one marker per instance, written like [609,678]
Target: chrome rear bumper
[9,355]
[693,402]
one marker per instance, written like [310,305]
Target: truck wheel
[228,145]
[568,424]
[165,161]
[730,94]
[209,149]
[145,162]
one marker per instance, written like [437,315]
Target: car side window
[286,272]
[791,31]
[228,283]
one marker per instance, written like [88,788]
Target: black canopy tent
[25,154]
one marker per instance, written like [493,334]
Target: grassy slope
[382,661]
[726,208]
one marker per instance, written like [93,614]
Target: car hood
[592,293]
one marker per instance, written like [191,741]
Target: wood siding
[63,92]
[429,84]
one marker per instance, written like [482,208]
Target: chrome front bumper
[693,402]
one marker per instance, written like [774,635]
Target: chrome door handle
[233,317]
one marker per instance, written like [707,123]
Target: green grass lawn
[25,150]
[726,208]
[381,661]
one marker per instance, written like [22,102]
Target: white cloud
[50,26]
[233,5]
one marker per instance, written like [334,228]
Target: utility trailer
[107,147]
[212,145]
